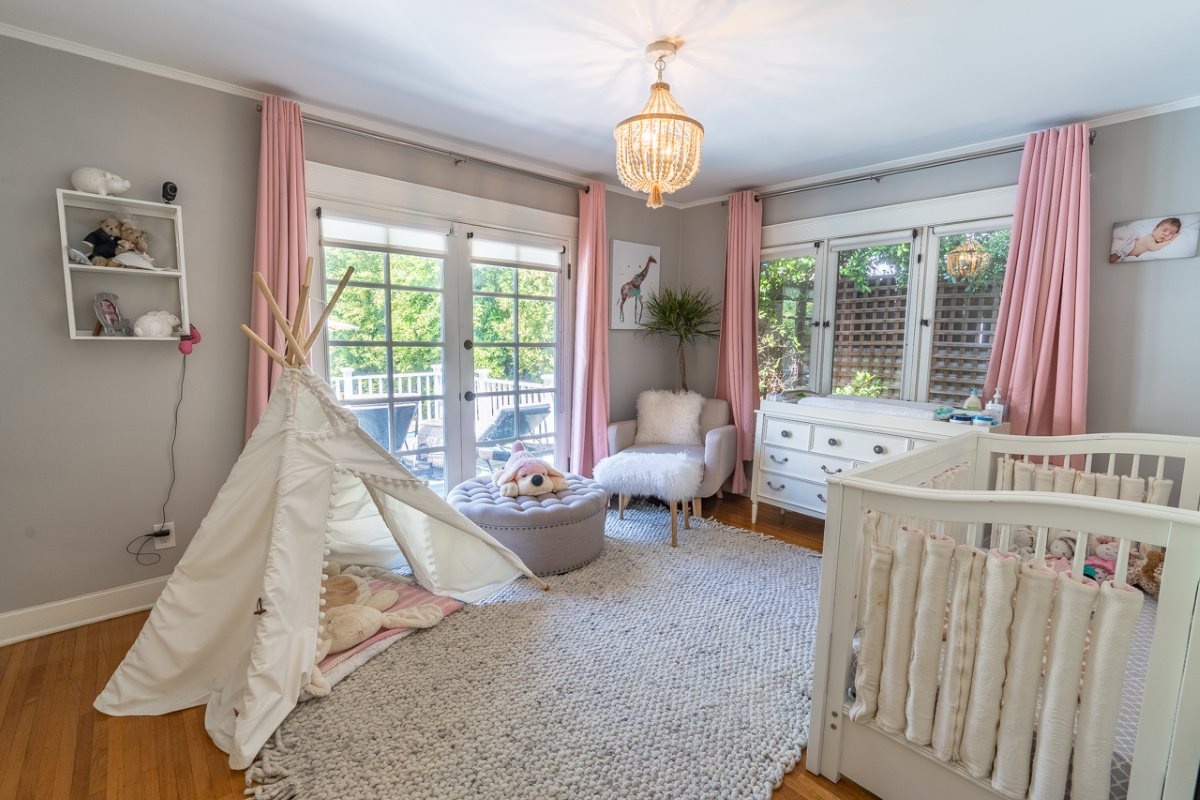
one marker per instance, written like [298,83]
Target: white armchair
[717,453]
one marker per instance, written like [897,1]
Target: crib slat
[1087,463]
[1162,463]
[1122,563]
[973,534]
[1005,538]
[1039,547]
[1081,546]
[1137,462]
[1112,463]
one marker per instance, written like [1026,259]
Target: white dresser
[797,446]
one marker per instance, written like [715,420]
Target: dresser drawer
[793,491]
[856,444]
[809,466]
[786,432]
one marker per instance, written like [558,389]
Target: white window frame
[985,210]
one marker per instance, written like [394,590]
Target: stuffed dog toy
[526,476]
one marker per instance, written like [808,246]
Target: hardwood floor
[54,745]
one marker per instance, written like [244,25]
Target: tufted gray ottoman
[552,533]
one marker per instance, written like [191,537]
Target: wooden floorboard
[54,745]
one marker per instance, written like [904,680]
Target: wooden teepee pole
[297,352]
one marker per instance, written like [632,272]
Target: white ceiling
[786,89]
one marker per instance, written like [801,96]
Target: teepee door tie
[260,610]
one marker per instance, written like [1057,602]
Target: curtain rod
[884,173]
[437,151]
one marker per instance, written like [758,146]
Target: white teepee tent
[236,624]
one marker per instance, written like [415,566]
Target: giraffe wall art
[635,272]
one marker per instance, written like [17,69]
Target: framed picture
[635,271]
[109,314]
[1155,238]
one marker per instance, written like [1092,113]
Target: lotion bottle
[995,406]
[973,403]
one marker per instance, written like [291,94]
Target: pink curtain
[737,357]
[589,395]
[1039,358]
[280,241]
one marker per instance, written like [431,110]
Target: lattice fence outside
[868,332]
[964,326]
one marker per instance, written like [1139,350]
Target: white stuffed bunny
[156,323]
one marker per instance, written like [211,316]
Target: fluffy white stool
[671,477]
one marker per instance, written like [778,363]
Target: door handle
[468,395]
[468,344]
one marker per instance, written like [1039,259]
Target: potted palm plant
[686,315]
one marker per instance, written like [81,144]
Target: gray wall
[1144,368]
[704,232]
[85,426]
[637,363]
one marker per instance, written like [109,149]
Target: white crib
[1166,755]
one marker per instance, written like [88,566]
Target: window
[785,319]
[908,314]
[447,344]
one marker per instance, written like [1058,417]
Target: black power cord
[152,558]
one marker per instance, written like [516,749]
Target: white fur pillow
[668,417]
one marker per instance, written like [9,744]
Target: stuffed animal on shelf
[104,242]
[155,323]
[526,476]
[355,613]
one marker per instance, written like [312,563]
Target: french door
[447,343]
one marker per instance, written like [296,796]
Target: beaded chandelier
[966,260]
[658,150]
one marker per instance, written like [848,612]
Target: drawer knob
[878,449]
[785,433]
[783,460]
[833,442]
[829,471]
[777,488]
[821,497]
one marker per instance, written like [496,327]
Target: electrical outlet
[164,542]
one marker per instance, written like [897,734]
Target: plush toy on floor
[355,613]
[526,476]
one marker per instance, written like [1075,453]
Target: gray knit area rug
[650,673]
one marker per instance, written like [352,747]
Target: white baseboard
[28,623]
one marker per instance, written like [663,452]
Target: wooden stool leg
[685,511]
[696,507]
[720,494]
[674,529]
[622,501]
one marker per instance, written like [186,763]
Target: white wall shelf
[138,292]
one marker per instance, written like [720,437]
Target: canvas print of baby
[1155,238]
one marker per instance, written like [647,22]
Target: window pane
[492,279]
[493,318]
[495,369]
[359,316]
[536,321]
[417,371]
[536,281]
[964,317]
[416,316]
[368,265]
[785,309]
[536,367]
[868,324]
[416,271]
[358,373]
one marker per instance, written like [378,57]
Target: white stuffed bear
[156,323]
[98,181]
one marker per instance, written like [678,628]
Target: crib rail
[1168,741]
